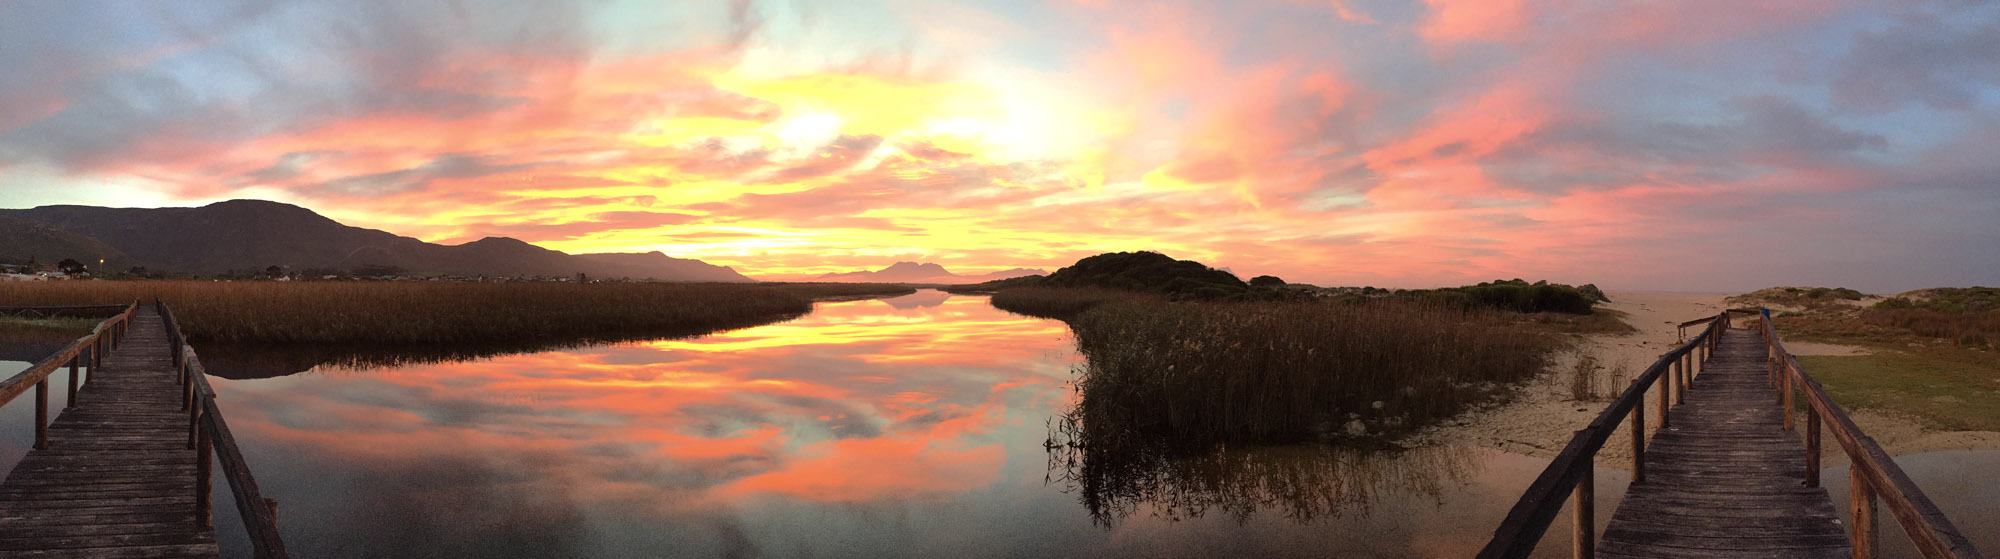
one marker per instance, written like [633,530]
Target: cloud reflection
[858,402]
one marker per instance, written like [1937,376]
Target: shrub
[1514,295]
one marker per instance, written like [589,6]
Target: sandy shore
[1542,418]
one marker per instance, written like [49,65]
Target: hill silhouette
[28,240]
[240,235]
[1147,271]
[924,272]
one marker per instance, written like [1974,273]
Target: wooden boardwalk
[1725,479]
[1732,471]
[119,477]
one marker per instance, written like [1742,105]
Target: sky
[1693,145]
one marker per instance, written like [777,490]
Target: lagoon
[912,426]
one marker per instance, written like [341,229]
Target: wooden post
[1700,360]
[1662,385]
[1861,500]
[204,478]
[1812,449]
[187,391]
[1584,537]
[1787,375]
[1638,440]
[1778,382]
[1673,380]
[1771,366]
[42,415]
[1681,390]
[71,402]
[194,425]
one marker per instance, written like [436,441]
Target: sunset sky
[1691,145]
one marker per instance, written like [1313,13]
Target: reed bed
[1063,303]
[1271,372]
[435,313]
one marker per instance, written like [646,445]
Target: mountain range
[251,235]
[913,272]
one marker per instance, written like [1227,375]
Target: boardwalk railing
[1571,474]
[86,351]
[209,435]
[47,312]
[1873,473]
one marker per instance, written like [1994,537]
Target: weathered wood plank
[42,541]
[130,552]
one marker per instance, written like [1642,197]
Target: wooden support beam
[42,415]
[1583,538]
[1787,399]
[71,401]
[1861,503]
[1812,449]
[1639,441]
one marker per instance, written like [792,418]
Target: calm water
[905,427]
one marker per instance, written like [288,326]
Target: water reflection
[1304,483]
[907,427]
[861,402]
[252,361]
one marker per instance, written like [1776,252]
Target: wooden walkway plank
[1726,479]
[118,477]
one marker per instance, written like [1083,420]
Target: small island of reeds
[1193,357]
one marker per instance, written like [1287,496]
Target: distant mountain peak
[253,203]
[924,267]
[239,235]
[922,272]
[498,241]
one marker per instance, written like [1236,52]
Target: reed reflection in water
[1304,482]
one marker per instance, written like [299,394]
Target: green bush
[1509,295]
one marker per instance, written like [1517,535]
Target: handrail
[1873,472]
[1681,330]
[101,339]
[51,310]
[1571,473]
[1699,320]
[209,434]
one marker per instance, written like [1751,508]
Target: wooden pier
[1729,472]
[126,470]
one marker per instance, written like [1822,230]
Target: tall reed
[1205,373]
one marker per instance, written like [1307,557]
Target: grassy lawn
[1949,383]
[1955,389]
